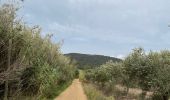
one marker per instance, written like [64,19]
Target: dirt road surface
[73,92]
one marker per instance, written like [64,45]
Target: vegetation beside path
[148,72]
[95,94]
[32,66]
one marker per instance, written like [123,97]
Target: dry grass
[95,94]
[133,94]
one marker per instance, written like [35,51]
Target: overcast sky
[106,27]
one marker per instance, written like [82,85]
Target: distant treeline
[148,72]
[85,61]
[30,66]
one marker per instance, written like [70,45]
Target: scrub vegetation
[31,66]
[139,76]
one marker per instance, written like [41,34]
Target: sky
[105,27]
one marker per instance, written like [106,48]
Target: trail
[73,92]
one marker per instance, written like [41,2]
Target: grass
[52,93]
[95,94]
[81,75]
[60,89]
[56,90]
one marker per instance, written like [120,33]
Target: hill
[90,61]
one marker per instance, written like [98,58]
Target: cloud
[109,27]
[120,56]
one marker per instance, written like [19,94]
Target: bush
[30,65]
[149,72]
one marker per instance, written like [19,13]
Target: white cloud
[121,56]
[111,26]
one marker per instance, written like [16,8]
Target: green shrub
[149,72]
[36,63]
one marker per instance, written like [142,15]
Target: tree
[149,72]
[29,65]
[137,70]
[160,62]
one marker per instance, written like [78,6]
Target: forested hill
[89,61]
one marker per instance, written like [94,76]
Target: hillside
[90,61]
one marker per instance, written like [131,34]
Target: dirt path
[73,92]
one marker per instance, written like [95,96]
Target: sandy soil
[73,92]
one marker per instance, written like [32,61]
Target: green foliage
[77,73]
[82,75]
[161,76]
[106,72]
[149,72]
[106,76]
[136,68]
[37,67]
[85,61]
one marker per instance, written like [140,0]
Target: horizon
[84,50]
[94,55]
[103,27]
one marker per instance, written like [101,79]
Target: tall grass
[94,94]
